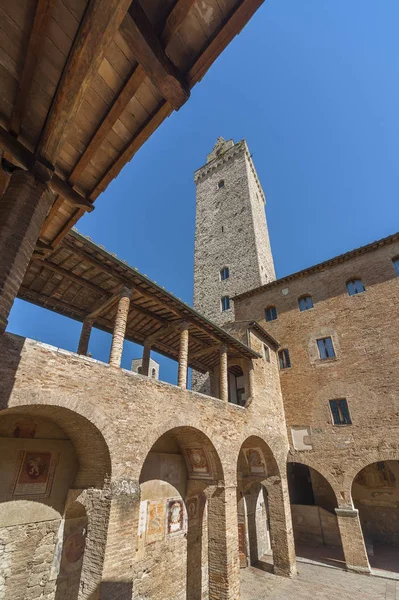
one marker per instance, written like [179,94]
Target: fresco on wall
[73,546]
[193,508]
[25,428]
[34,473]
[377,475]
[255,461]
[155,521]
[170,468]
[175,520]
[198,461]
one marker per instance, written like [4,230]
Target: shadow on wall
[114,590]
[10,351]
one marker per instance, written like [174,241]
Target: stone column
[352,540]
[145,363]
[224,381]
[85,336]
[251,382]
[118,336]
[224,568]
[281,533]
[120,551]
[23,208]
[183,357]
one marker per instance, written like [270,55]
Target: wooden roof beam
[164,331]
[104,306]
[204,352]
[150,53]
[27,160]
[172,25]
[98,28]
[42,18]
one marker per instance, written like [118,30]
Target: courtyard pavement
[315,582]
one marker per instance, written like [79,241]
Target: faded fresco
[199,462]
[34,473]
[255,460]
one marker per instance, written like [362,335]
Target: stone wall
[112,418]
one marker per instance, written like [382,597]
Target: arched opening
[256,466]
[177,481]
[49,458]
[375,493]
[315,524]
[237,394]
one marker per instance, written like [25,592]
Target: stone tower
[232,247]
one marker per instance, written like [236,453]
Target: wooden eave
[81,280]
[84,83]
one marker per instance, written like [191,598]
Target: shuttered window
[284,359]
[271,313]
[326,348]
[340,412]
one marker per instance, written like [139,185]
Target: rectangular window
[340,412]
[284,358]
[225,303]
[271,313]
[326,348]
[305,303]
[224,273]
[396,265]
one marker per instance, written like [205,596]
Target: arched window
[284,359]
[221,184]
[271,313]
[153,373]
[305,302]
[139,370]
[355,286]
[224,273]
[225,303]
[396,264]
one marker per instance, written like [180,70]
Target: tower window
[221,184]
[224,273]
[225,303]
[139,370]
[340,412]
[284,359]
[326,348]
[355,286]
[305,303]
[153,373]
[271,313]
[396,264]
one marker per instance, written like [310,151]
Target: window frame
[271,308]
[266,353]
[304,298]
[221,184]
[284,363]
[222,272]
[222,303]
[335,406]
[325,348]
[395,262]
[352,282]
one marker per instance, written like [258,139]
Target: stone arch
[181,500]
[314,502]
[316,466]
[50,456]
[356,465]
[375,495]
[258,470]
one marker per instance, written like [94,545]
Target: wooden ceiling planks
[80,277]
[84,83]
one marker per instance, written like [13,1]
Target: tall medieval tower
[232,246]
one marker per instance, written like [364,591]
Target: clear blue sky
[313,86]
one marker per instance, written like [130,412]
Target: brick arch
[187,436]
[316,466]
[92,450]
[256,441]
[364,461]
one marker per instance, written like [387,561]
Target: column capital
[125,292]
[346,512]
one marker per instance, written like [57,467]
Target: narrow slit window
[340,412]
[305,303]
[355,286]
[224,273]
[271,313]
[326,348]
[225,303]
[284,359]
[221,184]
[396,264]
[266,353]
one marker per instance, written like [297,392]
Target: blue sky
[313,86]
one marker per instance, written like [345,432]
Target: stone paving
[315,583]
